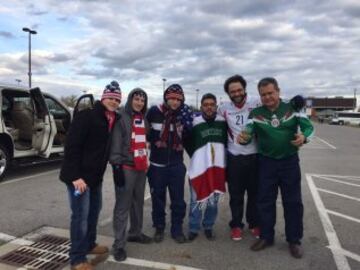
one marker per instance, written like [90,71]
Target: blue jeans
[85,210]
[172,178]
[195,213]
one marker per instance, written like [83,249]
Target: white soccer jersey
[236,119]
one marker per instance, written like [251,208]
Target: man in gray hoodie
[128,157]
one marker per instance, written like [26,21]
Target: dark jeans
[85,210]
[284,174]
[242,176]
[173,178]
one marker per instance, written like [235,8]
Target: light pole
[197,98]
[31,32]
[355,99]
[18,81]
[164,81]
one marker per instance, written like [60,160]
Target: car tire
[4,161]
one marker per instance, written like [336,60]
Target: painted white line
[6,238]
[340,259]
[107,221]
[351,255]
[21,242]
[337,181]
[153,265]
[343,216]
[327,143]
[339,194]
[349,177]
[12,181]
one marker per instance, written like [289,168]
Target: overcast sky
[311,47]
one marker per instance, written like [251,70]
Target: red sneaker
[255,232]
[236,234]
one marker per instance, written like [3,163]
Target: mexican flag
[206,149]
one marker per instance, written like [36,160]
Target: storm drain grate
[46,253]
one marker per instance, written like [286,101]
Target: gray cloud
[6,34]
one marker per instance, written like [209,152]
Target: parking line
[349,177]
[339,194]
[343,216]
[338,181]
[334,243]
[152,264]
[327,143]
[15,180]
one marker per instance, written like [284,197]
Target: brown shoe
[296,251]
[261,244]
[82,266]
[97,250]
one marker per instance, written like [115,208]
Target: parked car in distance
[33,125]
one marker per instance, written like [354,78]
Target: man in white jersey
[242,169]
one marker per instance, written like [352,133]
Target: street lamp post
[18,81]
[164,81]
[355,99]
[31,32]
[197,98]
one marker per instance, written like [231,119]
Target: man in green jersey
[276,126]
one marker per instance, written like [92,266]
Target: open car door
[84,102]
[44,128]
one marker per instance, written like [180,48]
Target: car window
[55,108]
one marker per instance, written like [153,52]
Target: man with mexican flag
[206,148]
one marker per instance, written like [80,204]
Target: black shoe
[261,244]
[142,239]
[296,251]
[159,235]
[192,236]
[209,234]
[180,239]
[120,255]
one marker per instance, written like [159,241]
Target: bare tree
[69,100]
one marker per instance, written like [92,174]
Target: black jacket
[164,156]
[87,147]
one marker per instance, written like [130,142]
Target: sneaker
[209,234]
[159,235]
[192,236]
[82,266]
[255,232]
[120,255]
[97,250]
[180,239]
[236,234]
[142,239]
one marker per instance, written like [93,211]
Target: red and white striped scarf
[138,143]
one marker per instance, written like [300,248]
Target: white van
[342,118]
[33,125]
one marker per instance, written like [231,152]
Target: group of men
[248,142]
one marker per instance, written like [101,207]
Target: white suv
[33,125]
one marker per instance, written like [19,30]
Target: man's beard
[238,99]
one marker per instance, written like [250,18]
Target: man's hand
[243,137]
[80,185]
[299,140]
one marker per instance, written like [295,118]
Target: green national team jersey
[275,130]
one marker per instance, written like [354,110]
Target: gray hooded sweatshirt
[121,138]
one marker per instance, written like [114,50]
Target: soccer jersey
[276,129]
[236,119]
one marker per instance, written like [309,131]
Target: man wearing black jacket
[86,156]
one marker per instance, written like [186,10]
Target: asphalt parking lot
[34,198]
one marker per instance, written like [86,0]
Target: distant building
[326,106]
